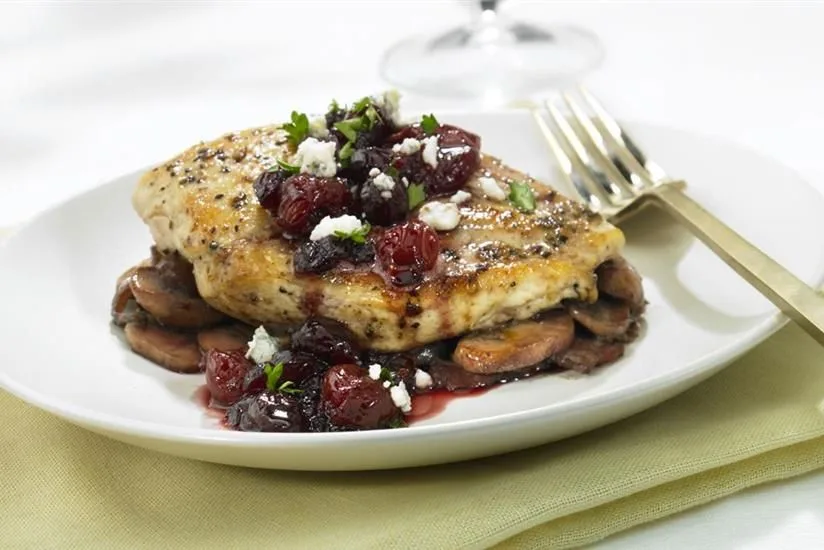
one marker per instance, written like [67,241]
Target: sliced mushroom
[175,351]
[451,377]
[516,346]
[618,279]
[224,338]
[587,353]
[603,318]
[168,305]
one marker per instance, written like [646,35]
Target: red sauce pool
[424,406]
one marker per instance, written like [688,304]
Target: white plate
[60,353]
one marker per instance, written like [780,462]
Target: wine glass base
[492,64]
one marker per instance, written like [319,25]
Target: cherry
[407,250]
[324,254]
[273,412]
[383,206]
[328,340]
[225,371]
[268,187]
[459,157]
[351,399]
[305,199]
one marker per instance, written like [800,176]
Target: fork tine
[595,145]
[649,172]
[588,190]
[582,161]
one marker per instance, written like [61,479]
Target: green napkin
[758,420]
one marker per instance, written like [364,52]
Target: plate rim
[212,436]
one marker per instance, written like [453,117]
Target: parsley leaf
[350,127]
[397,423]
[429,124]
[288,387]
[334,107]
[521,195]
[346,151]
[358,236]
[298,129]
[372,116]
[416,194]
[291,168]
[362,104]
[386,374]
[273,374]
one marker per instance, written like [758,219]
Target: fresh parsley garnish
[350,127]
[346,151]
[289,387]
[291,168]
[298,129]
[397,423]
[334,107]
[429,124]
[362,104]
[357,236]
[416,194]
[273,374]
[386,374]
[521,196]
[372,116]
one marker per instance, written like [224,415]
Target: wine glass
[493,59]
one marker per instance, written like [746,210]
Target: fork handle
[798,301]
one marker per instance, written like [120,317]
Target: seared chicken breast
[497,265]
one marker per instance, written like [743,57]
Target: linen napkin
[758,420]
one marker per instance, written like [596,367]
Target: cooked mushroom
[175,351]
[516,346]
[603,318]
[587,353]
[169,305]
[229,338]
[618,279]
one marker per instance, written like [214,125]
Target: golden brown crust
[498,265]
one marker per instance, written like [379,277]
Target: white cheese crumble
[387,383]
[389,101]
[430,151]
[442,216]
[405,181]
[317,127]
[317,157]
[491,188]
[460,197]
[374,172]
[422,379]
[328,226]
[400,397]
[409,146]
[375,371]
[384,182]
[262,347]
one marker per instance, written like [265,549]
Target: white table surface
[95,89]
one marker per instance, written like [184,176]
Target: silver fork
[614,178]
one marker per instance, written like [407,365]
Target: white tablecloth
[95,89]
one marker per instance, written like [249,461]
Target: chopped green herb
[521,196]
[391,171]
[429,124]
[386,374]
[273,374]
[362,104]
[291,168]
[397,423]
[288,387]
[416,194]
[334,107]
[346,151]
[298,129]
[358,236]
[372,116]
[350,127]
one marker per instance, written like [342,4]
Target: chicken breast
[497,265]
